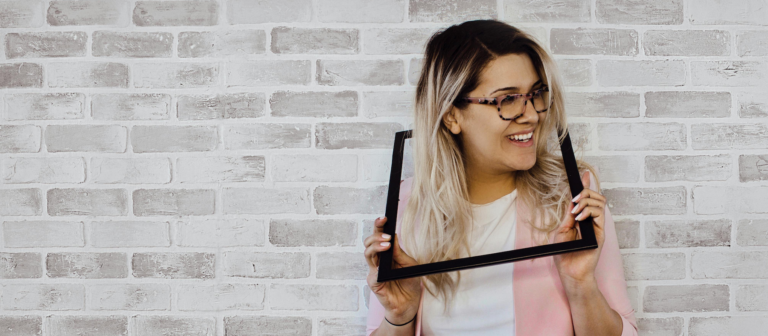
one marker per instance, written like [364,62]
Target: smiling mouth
[521,137]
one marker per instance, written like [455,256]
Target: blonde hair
[453,61]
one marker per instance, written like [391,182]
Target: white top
[484,303]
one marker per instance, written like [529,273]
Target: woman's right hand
[399,297]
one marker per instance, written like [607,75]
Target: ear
[451,121]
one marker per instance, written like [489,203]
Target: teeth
[521,137]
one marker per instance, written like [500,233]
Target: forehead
[509,70]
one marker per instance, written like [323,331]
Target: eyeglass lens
[512,106]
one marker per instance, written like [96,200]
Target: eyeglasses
[512,106]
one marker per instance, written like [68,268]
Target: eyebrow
[513,88]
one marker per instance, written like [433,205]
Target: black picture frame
[387,273]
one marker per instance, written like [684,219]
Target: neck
[486,186]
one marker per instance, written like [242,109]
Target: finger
[589,211]
[585,180]
[378,224]
[585,202]
[569,222]
[372,253]
[588,193]
[400,256]
[376,237]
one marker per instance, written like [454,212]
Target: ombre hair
[453,62]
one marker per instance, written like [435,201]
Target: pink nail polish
[575,199]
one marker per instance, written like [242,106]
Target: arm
[376,325]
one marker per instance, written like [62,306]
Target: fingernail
[574,210]
[579,216]
[385,236]
[576,198]
[384,243]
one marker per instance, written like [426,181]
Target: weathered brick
[642,136]
[388,104]
[319,104]
[132,44]
[21,75]
[654,266]
[24,325]
[86,265]
[616,168]
[21,202]
[221,106]
[312,232]
[729,73]
[87,202]
[256,201]
[661,326]
[173,325]
[174,265]
[686,42]
[594,41]
[88,75]
[75,325]
[748,12]
[21,14]
[222,43]
[626,12]
[162,138]
[43,234]
[89,12]
[20,266]
[337,200]
[575,72]
[285,265]
[176,13]
[130,106]
[628,233]
[269,73]
[571,11]
[173,202]
[360,11]
[686,298]
[355,135]
[640,73]
[360,72]
[351,325]
[708,200]
[249,12]
[267,136]
[688,233]
[752,105]
[180,75]
[751,43]
[44,106]
[218,169]
[341,266]
[729,136]
[45,44]
[752,232]
[751,297]
[451,10]
[647,201]
[129,234]
[59,296]
[313,297]
[396,41]
[43,170]
[143,296]
[604,104]
[86,138]
[130,170]
[295,40]
[314,168]
[221,296]
[273,325]
[687,104]
[221,232]
[726,325]
[414,70]
[729,265]
[20,138]
[661,168]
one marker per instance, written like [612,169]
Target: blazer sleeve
[610,274]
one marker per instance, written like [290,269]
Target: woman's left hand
[579,267]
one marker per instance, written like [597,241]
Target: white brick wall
[211,167]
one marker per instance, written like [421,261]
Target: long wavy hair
[453,62]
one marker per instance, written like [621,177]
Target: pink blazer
[541,306]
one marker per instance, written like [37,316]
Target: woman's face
[485,135]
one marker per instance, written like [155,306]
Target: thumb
[570,220]
[400,257]
[585,179]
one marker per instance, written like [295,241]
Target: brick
[729,265]
[221,232]
[319,104]
[752,105]
[687,42]
[173,202]
[646,13]
[257,201]
[21,14]
[88,75]
[628,233]
[361,11]
[342,325]
[640,73]
[87,202]
[131,106]
[732,200]
[129,234]
[20,138]
[313,297]
[376,167]
[294,40]
[58,297]
[312,232]
[132,44]
[43,234]
[267,265]
[751,43]
[729,73]
[221,106]
[21,202]
[336,200]
[414,70]
[604,104]
[388,104]
[688,233]
[451,10]
[141,297]
[661,168]
[21,75]
[752,232]
[272,325]
[180,75]
[341,266]
[222,43]
[249,12]
[726,325]
[647,201]
[220,169]
[174,265]
[176,13]
[173,325]
[267,136]
[130,170]
[43,170]
[314,168]
[616,168]
[751,297]
[641,136]
[25,325]
[75,325]
[654,266]
[687,104]
[162,138]
[750,12]
[568,11]
[86,265]
[396,41]
[575,72]
[45,44]
[86,138]
[20,266]
[729,136]
[362,135]
[686,298]
[44,106]
[88,12]
[661,326]
[594,41]
[221,297]
[360,72]
[269,73]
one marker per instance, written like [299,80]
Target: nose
[529,113]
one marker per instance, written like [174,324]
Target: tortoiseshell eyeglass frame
[497,101]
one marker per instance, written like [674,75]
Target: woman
[486,180]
